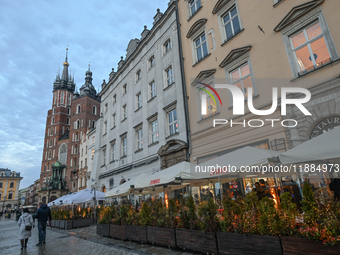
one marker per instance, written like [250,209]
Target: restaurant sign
[325,125]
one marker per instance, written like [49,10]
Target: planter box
[136,233]
[103,229]
[232,243]
[68,224]
[161,236]
[301,246]
[117,232]
[82,223]
[53,223]
[62,224]
[196,240]
[56,223]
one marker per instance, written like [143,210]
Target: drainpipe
[184,89]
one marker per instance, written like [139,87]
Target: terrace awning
[323,147]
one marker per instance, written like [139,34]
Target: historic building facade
[73,113]
[255,46]
[143,122]
[9,188]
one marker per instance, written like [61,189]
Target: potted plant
[117,228]
[103,226]
[135,232]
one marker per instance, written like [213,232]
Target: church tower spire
[65,70]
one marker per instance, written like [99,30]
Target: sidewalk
[82,241]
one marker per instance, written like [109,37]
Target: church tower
[57,126]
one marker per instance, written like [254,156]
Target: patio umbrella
[323,147]
[60,200]
[165,176]
[83,196]
[232,162]
[125,188]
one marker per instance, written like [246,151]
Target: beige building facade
[256,46]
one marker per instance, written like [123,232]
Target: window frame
[167,84]
[113,120]
[151,63]
[139,138]
[196,38]
[190,7]
[167,46]
[297,26]
[222,13]
[138,75]
[150,89]
[151,132]
[113,151]
[139,100]
[169,111]
[124,112]
[124,146]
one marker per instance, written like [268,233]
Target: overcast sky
[33,37]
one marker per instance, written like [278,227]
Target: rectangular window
[62,97]
[113,151]
[124,112]
[105,127]
[231,23]
[151,62]
[114,99]
[241,78]
[153,132]
[194,5]
[167,46]
[169,76]
[208,105]
[104,156]
[10,196]
[172,122]
[85,162]
[0,196]
[124,89]
[152,89]
[139,139]
[310,49]
[124,146]
[0,184]
[201,47]
[113,121]
[139,100]
[138,75]
[92,154]
[106,107]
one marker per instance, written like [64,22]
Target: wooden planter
[117,232]
[103,229]
[82,223]
[62,224]
[136,233]
[196,240]
[232,243]
[68,224]
[161,236]
[56,223]
[301,246]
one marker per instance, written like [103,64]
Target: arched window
[63,154]
[45,167]
[77,136]
[69,99]
[52,121]
[78,108]
[76,149]
[49,154]
[62,97]
[68,110]
[92,123]
[94,110]
[103,189]
[75,161]
[51,132]
[51,142]
[78,123]
[53,110]
[68,121]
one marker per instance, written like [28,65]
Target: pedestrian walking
[43,215]
[26,224]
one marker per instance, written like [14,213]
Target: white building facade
[143,123]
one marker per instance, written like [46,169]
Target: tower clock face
[325,125]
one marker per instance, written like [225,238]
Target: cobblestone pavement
[82,241]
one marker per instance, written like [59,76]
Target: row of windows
[308,46]
[11,185]
[172,129]
[168,80]
[10,196]
[59,97]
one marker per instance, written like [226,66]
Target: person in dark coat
[43,214]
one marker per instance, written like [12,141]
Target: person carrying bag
[25,223]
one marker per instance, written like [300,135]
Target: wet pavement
[75,241]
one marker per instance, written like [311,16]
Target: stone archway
[173,152]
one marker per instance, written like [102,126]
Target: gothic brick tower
[72,114]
